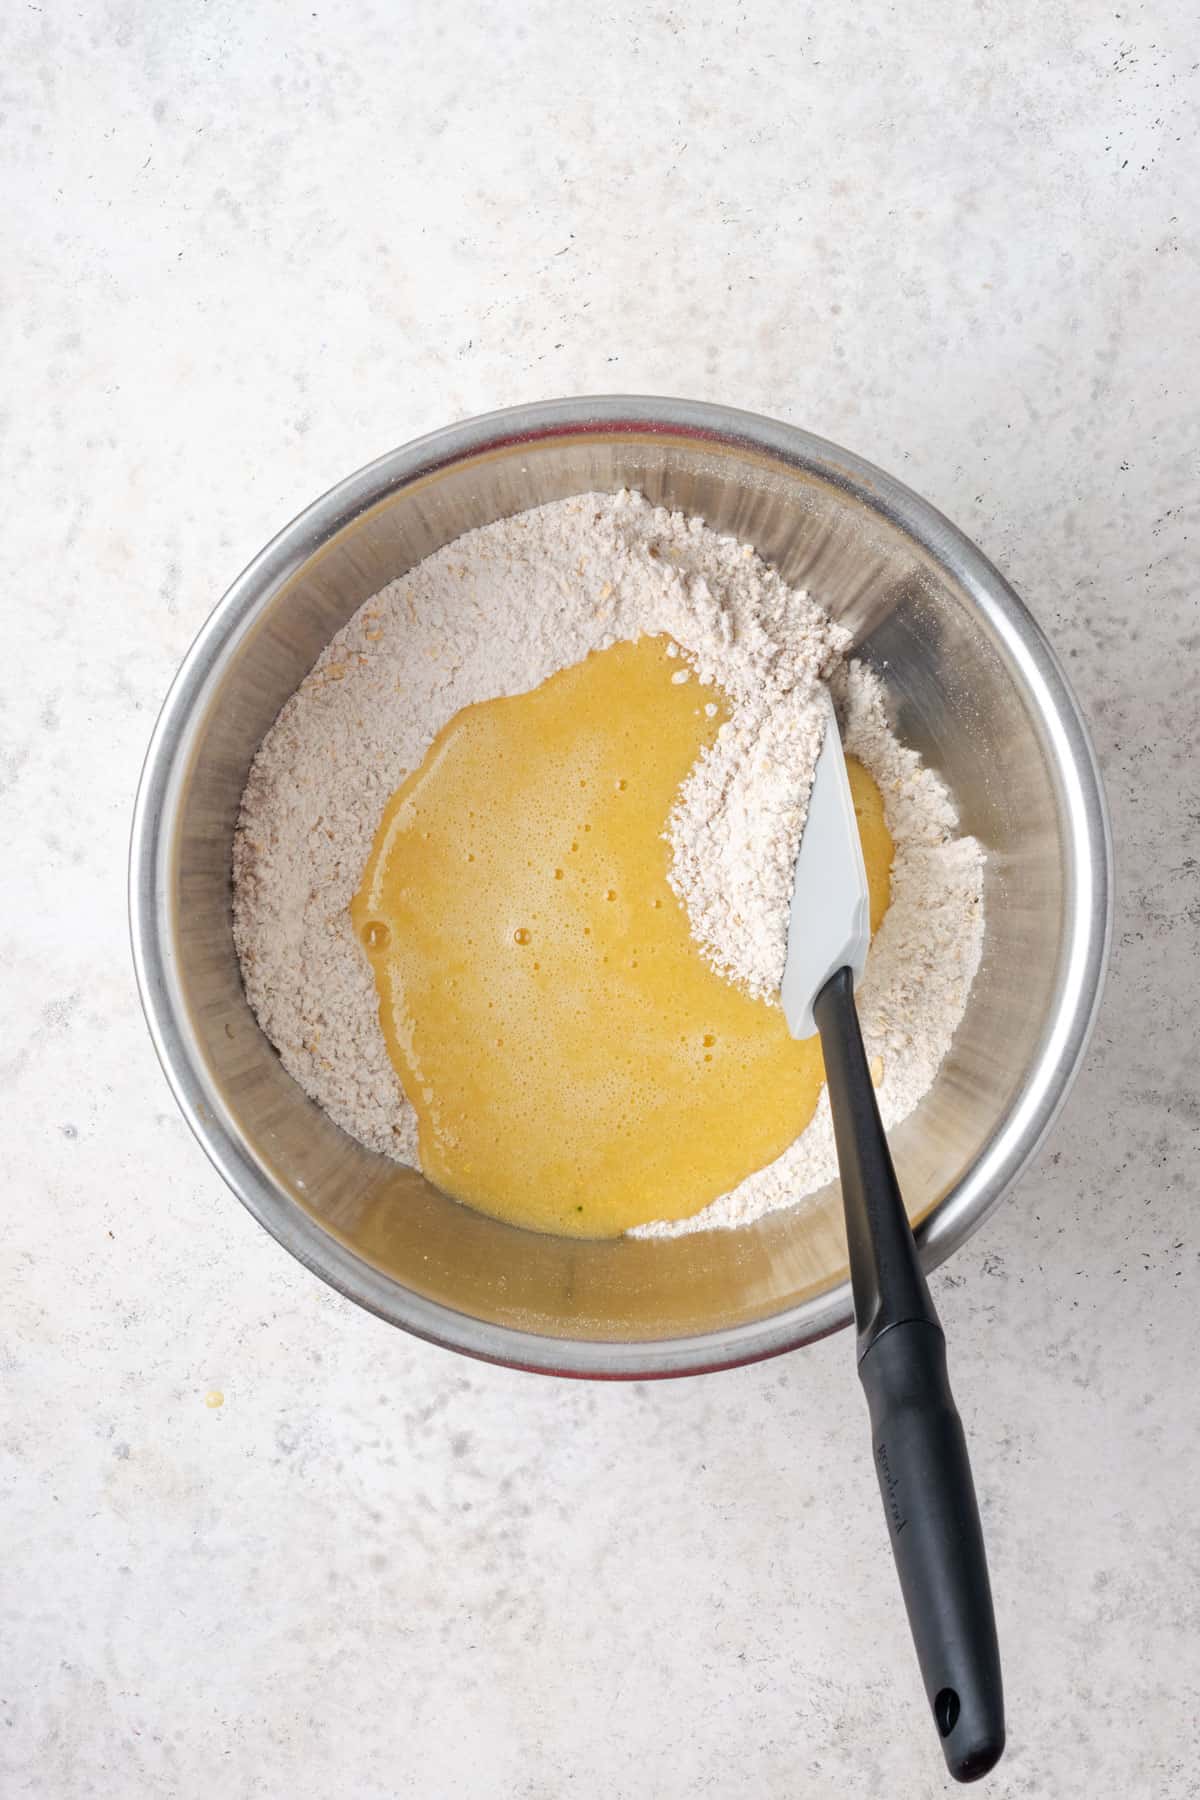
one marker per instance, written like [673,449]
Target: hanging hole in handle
[945,1711]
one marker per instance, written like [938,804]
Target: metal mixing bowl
[974,688]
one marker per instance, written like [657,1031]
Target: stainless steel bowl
[975,689]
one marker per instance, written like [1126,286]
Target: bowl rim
[1034,665]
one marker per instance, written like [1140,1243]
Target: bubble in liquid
[376,935]
[520,935]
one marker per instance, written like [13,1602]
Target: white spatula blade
[830,924]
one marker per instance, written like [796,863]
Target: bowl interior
[958,698]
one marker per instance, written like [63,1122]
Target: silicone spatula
[919,1448]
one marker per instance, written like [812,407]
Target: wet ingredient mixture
[575,1063]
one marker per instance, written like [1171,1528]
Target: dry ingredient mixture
[496,613]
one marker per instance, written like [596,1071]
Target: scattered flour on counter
[497,612]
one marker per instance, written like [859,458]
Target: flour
[921,965]
[497,612]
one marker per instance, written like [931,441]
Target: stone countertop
[249,246]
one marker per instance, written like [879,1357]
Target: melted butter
[574,1063]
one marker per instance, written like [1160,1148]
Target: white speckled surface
[247,246]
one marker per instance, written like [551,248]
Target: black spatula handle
[919,1448]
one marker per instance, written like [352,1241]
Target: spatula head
[830,924]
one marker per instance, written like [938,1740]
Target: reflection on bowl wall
[973,687]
